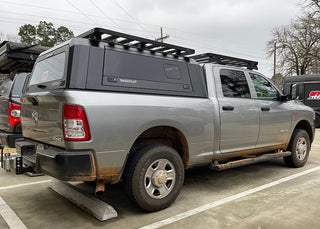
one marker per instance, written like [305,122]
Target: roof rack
[225,60]
[126,40]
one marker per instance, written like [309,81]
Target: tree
[297,46]
[63,34]
[44,34]
[47,34]
[312,6]
[278,80]
[28,34]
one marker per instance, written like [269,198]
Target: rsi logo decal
[314,95]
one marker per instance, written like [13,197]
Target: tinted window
[5,87]
[264,89]
[234,84]
[49,69]
[172,71]
[294,91]
[18,84]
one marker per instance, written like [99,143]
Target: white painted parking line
[13,221]
[25,184]
[225,200]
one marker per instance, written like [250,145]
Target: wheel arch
[166,135]
[305,125]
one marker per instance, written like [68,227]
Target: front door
[275,116]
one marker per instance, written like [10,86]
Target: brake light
[14,114]
[75,123]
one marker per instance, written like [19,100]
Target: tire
[317,121]
[300,147]
[154,177]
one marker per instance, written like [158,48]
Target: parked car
[10,105]
[16,62]
[108,106]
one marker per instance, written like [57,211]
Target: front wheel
[299,146]
[154,177]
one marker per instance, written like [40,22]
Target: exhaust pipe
[100,186]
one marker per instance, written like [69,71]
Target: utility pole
[161,38]
[274,61]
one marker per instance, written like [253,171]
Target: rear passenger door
[239,115]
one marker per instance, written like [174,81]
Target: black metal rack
[225,60]
[126,40]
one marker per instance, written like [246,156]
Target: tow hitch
[14,161]
[20,169]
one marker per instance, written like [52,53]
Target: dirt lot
[265,195]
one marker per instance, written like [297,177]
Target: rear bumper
[8,139]
[58,163]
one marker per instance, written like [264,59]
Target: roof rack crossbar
[124,41]
[225,60]
[141,43]
[110,38]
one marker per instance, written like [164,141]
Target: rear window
[234,84]
[50,69]
[18,85]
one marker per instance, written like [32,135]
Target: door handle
[265,108]
[228,108]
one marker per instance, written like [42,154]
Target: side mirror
[284,98]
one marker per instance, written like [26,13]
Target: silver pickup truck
[110,107]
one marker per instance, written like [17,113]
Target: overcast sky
[239,28]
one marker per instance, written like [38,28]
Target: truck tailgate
[41,117]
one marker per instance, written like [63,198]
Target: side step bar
[215,165]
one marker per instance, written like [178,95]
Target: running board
[215,165]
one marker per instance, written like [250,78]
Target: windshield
[49,69]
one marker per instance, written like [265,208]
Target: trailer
[305,88]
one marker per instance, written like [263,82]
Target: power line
[72,12]
[202,45]
[81,29]
[18,21]
[80,11]
[127,13]
[117,25]
[55,18]
[39,7]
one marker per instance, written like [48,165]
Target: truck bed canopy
[20,57]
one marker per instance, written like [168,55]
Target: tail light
[14,114]
[75,123]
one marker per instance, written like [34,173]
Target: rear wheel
[299,146]
[154,177]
